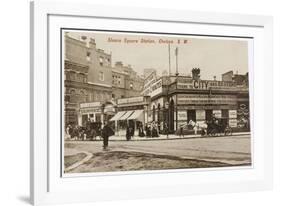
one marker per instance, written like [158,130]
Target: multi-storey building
[92,85]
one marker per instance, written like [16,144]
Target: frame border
[39,97]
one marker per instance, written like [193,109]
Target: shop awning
[137,115]
[117,116]
[125,116]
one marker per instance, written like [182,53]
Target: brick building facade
[89,77]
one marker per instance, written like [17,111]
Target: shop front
[131,113]
[96,112]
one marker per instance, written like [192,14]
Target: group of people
[152,130]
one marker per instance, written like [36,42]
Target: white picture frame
[47,185]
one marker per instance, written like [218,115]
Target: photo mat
[137,101]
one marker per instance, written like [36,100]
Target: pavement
[122,137]
[235,149]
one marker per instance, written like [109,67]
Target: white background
[14,103]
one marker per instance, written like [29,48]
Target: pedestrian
[166,129]
[181,131]
[128,132]
[106,132]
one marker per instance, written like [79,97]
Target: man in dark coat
[107,131]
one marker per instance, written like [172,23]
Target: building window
[101,76]
[88,57]
[101,61]
[131,85]
[113,96]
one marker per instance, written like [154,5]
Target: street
[230,150]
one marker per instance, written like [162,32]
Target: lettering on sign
[109,109]
[232,122]
[200,114]
[217,113]
[206,99]
[130,100]
[232,114]
[189,83]
[86,111]
[182,115]
[153,88]
[90,104]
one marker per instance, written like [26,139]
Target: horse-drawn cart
[218,126]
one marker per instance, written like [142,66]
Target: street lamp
[167,121]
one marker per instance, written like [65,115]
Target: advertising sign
[156,88]
[217,113]
[182,115]
[232,122]
[232,114]
[206,99]
[189,83]
[90,104]
[130,100]
[200,114]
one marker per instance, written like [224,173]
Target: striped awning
[125,116]
[137,115]
[117,116]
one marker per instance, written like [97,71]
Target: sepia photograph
[136,101]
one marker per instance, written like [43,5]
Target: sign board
[207,99]
[182,115]
[156,88]
[90,104]
[153,87]
[90,110]
[217,113]
[189,83]
[200,114]
[109,109]
[232,114]
[130,100]
[232,122]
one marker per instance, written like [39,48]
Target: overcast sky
[213,56]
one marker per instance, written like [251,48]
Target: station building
[175,100]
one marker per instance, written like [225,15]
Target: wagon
[218,126]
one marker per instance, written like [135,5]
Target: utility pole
[169,59]
[176,53]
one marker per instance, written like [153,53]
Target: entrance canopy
[137,115]
[117,116]
[126,115]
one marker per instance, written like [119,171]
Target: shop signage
[182,115]
[200,114]
[189,83]
[109,109]
[90,110]
[130,100]
[217,113]
[152,88]
[232,114]
[90,104]
[232,122]
[206,99]
[156,88]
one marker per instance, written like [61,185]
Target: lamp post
[168,117]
